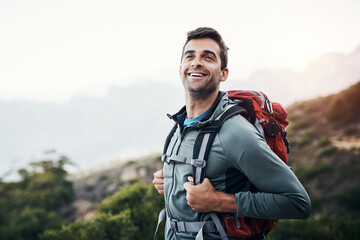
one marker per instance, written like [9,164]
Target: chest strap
[181,226]
[198,163]
[209,227]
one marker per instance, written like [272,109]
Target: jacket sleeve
[282,195]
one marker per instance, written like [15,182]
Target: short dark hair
[207,32]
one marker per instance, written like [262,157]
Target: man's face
[200,68]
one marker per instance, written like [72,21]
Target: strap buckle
[199,163]
[177,226]
[173,225]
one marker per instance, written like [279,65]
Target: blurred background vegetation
[121,203]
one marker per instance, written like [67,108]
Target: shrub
[130,214]
[301,123]
[326,152]
[344,108]
[350,198]
[324,142]
[307,137]
[306,174]
[324,228]
[351,130]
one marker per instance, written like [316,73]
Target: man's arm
[282,196]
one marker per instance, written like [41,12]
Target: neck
[196,105]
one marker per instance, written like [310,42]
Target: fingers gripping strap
[162,216]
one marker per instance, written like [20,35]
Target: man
[239,154]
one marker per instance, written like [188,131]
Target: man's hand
[204,197]
[158,181]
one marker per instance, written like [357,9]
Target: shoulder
[238,128]
[241,140]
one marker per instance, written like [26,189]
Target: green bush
[301,123]
[89,187]
[351,130]
[326,152]
[130,214]
[30,206]
[324,142]
[306,174]
[316,204]
[350,198]
[307,137]
[344,108]
[324,228]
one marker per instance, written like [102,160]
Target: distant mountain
[328,74]
[131,121]
[91,131]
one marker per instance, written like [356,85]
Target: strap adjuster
[173,225]
[199,163]
[177,226]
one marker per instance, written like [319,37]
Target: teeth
[196,74]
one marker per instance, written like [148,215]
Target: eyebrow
[205,51]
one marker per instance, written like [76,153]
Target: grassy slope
[330,173]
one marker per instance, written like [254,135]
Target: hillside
[326,150]
[91,187]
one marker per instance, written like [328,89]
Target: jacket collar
[215,110]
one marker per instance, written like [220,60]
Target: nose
[196,62]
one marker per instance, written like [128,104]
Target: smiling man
[238,157]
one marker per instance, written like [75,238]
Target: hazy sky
[54,50]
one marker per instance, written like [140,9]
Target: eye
[210,57]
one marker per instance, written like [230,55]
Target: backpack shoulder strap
[206,136]
[168,138]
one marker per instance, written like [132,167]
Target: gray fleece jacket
[239,155]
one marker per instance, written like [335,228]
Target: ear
[180,71]
[224,74]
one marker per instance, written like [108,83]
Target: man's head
[207,32]
[203,63]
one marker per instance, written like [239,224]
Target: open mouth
[196,74]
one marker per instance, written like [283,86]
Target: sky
[52,51]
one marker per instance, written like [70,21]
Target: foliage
[323,228]
[326,152]
[105,226]
[301,123]
[344,108]
[307,137]
[350,198]
[324,142]
[306,174]
[130,214]
[30,206]
[350,130]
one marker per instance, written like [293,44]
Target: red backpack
[272,118]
